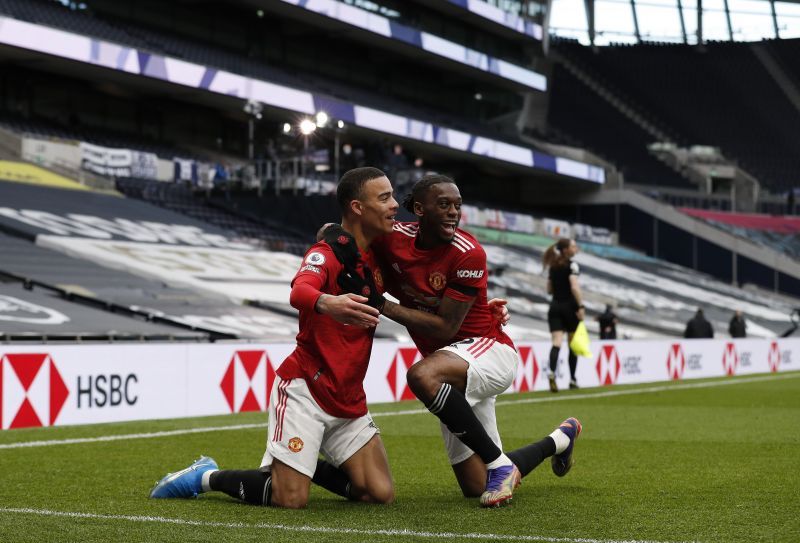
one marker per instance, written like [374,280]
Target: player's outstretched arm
[345,308]
[441,326]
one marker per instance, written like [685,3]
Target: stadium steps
[183,200]
[775,70]
[613,97]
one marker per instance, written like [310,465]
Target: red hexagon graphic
[608,365]
[676,362]
[730,359]
[247,381]
[396,377]
[32,391]
[527,372]
[774,357]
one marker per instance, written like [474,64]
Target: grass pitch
[713,460]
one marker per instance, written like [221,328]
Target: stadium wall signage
[55,385]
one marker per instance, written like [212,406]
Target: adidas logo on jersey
[469,274]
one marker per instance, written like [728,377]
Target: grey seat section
[41,313]
[24,259]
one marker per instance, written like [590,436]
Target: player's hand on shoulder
[349,309]
[499,310]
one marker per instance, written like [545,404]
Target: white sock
[561,439]
[205,480]
[501,460]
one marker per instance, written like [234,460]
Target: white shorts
[492,369]
[299,430]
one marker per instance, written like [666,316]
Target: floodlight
[307,126]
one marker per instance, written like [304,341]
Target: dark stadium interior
[718,94]
[629,175]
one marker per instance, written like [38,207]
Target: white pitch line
[545,399]
[317,529]
[122,437]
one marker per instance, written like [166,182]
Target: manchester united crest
[437,280]
[378,277]
[295,444]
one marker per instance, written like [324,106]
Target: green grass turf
[707,464]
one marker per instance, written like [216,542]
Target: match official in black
[566,307]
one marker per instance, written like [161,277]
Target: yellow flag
[580,341]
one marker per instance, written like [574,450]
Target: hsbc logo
[403,359]
[608,365]
[469,274]
[247,381]
[730,359]
[774,357]
[32,391]
[676,362]
[528,371]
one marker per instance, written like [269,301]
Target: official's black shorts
[562,316]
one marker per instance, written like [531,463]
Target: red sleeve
[310,281]
[305,293]
[467,276]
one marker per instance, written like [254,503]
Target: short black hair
[352,183]
[421,187]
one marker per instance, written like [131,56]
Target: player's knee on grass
[380,493]
[289,498]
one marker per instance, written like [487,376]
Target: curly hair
[421,187]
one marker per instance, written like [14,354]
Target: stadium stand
[268,231]
[719,95]
[39,314]
[779,233]
[48,129]
[104,26]
[654,298]
[106,291]
[587,118]
[283,225]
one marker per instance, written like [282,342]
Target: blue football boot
[185,483]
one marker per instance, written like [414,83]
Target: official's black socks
[554,359]
[573,365]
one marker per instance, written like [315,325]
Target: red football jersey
[330,356]
[421,278]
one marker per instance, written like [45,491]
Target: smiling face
[377,206]
[439,212]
